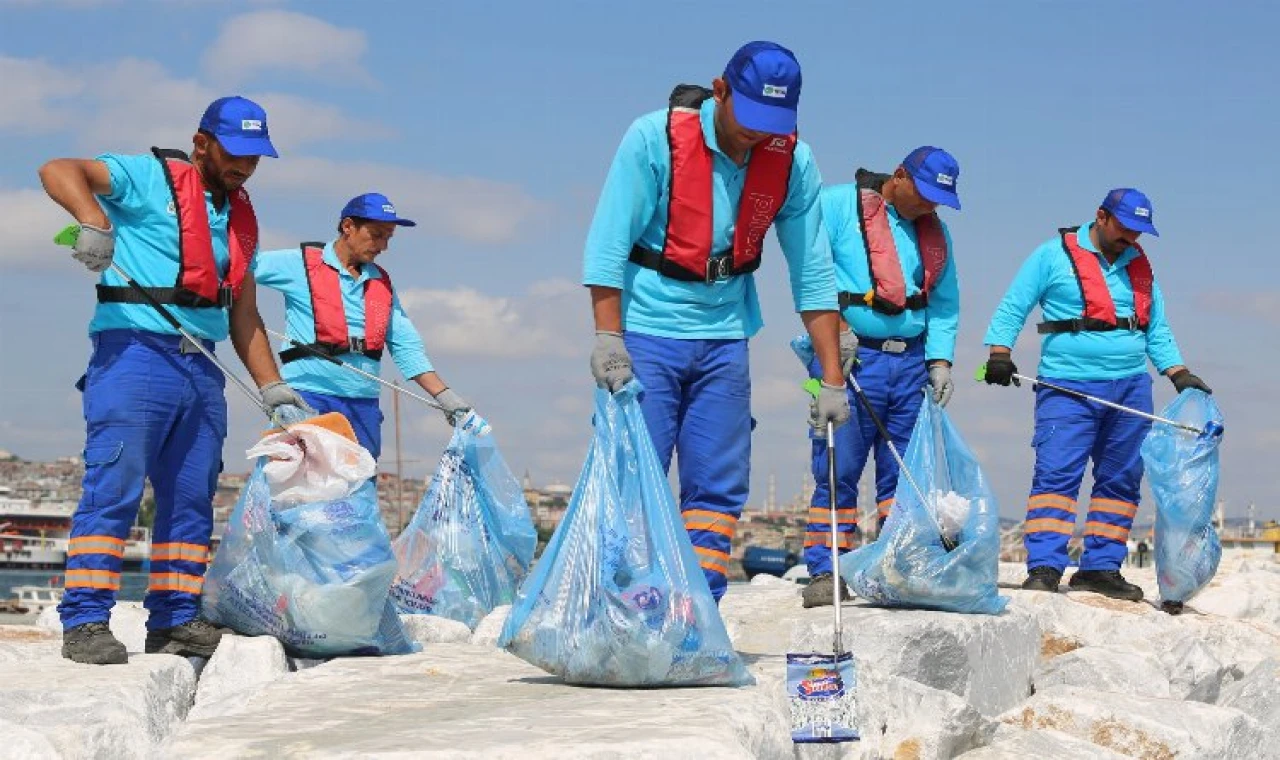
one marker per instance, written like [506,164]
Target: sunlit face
[1113,237]
[221,170]
[907,200]
[366,239]
[734,137]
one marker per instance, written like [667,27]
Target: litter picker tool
[68,237]
[317,354]
[1210,430]
[821,687]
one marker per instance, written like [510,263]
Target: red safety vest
[1099,309]
[198,283]
[332,336]
[888,293]
[686,254]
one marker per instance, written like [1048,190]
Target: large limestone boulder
[22,743]
[899,718]
[128,623]
[1258,695]
[1144,726]
[1012,743]
[490,627]
[1113,669]
[107,711]
[1250,595]
[433,629]
[240,667]
[987,660]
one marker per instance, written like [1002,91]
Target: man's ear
[719,89]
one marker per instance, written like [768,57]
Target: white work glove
[940,381]
[452,405]
[848,351]
[830,405]
[95,247]
[610,362]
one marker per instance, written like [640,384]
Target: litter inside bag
[618,597]
[311,462]
[471,541]
[1182,469]
[316,575]
[941,555]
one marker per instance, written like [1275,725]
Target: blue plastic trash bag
[911,564]
[471,541]
[314,573]
[618,597]
[1182,468]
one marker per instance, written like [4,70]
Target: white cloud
[32,99]
[466,322]
[468,208]
[27,226]
[279,40]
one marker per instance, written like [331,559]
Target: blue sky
[493,123]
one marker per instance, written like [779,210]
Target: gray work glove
[610,362]
[940,381]
[848,351]
[452,405]
[94,247]
[284,404]
[830,405]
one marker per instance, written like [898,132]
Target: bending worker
[900,300]
[1104,318]
[153,404]
[677,234]
[340,303]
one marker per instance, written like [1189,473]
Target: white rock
[764,579]
[433,629]
[22,743]
[241,666]
[902,718]
[128,623]
[1194,672]
[107,711]
[1250,595]
[1011,574]
[490,628]
[1143,726]
[1122,671]
[988,660]
[1258,694]
[458,700]
[1019,744]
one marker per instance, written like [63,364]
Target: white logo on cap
[387,208]
[775,91]
[251,125]
[1140,211]
[946,179]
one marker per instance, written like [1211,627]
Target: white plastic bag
[308,463]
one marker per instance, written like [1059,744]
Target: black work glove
[1001,370]
[1183,379]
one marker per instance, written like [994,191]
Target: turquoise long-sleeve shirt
[140,207]
[940,320]
[286,272]
[633,208]
[1048,280]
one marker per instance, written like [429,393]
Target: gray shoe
[93,644]
[820,591]
[194,638]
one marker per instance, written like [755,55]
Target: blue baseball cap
[765,80]
[240,126]
[376,208]
[1132,208]
[935,173]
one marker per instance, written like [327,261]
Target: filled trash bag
[315,574]
[1182,469]
[471,541]
[941,555]
[618,597]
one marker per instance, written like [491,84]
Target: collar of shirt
[1086,242]
[331,258]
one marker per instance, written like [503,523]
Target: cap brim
[937,195]
[758,117]
[403,222]
[393,220]
[1137,224]
[248,146]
